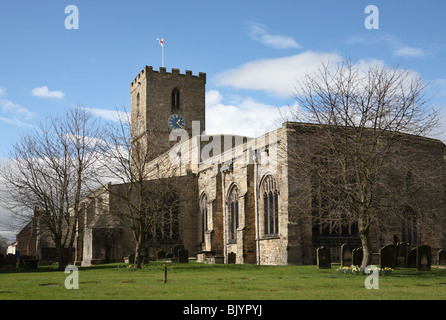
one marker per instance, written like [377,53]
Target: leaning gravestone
[387,256]
[357,255]
[323,258]
[346,255]
[424,258]
[183,256]
[402,254]
[441,257]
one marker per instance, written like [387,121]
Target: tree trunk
[138,249]
[366,248]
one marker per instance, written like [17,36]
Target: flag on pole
[161,42]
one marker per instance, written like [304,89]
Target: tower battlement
[149,72]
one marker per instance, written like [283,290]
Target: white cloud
[16,110]
[409,52]
[2,91]
[260,33]
[396,46]
[278,76]
[112,115]
[44,92]
[247,118]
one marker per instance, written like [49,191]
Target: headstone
[145,260]
[412,258]
[161,255]
[323,258]
[402,254]
[183,256]
[387,256]
[176,248]
[11,257]
[346,255]
[132,258]
[441,257]
[424,258]
[357,255]
[232,257]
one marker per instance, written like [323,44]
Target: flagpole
[162,59]
[161,42]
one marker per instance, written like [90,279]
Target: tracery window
[270,206]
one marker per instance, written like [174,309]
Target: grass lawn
[219,282]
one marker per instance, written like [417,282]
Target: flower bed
[356,270]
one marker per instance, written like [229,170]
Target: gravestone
[357,255]
[183,256]
[402,254]
[176,248]
[346,255]
[323,258]
[412,258]
[132,258]
[145,260]
[232,257]
[441,257]
[424,258]
[161,255]
[387,256]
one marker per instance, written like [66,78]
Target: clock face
[176,122]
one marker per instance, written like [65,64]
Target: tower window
[175,99]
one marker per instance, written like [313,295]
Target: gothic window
[233,210]
[270,206]
[175,99]
[165,227]
[327,219]
[204,216]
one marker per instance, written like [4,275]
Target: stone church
[237,193]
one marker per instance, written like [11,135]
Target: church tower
[163,101]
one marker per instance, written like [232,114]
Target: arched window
[233,209]
[204,216]
[270,206]
[137,101]
[175,99]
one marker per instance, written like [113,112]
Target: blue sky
[251,51]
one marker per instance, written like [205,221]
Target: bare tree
[51,167]
[145,195]
[358,148]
